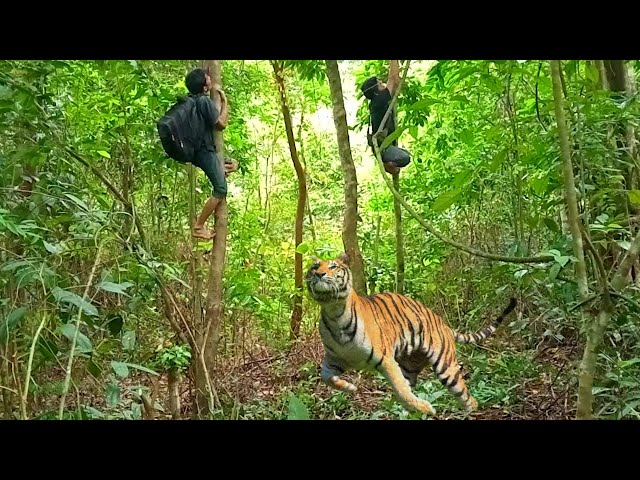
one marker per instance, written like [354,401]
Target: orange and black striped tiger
[387,332]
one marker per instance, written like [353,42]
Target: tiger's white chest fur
[344,336]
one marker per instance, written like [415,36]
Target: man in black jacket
[379,96]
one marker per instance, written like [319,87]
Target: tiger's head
[329,280]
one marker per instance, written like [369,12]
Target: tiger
[386,332]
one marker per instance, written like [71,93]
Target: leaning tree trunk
[296,314]
[573,216]
[208,332]
[397,210]
[350,224]
[595,323]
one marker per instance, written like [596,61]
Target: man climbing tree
[379,96]
[202,112]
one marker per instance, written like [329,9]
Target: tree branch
[128,205]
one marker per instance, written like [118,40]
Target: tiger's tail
[477,337]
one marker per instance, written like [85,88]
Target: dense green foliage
[485,172]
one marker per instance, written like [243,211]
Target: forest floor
[508,380]
[509,384]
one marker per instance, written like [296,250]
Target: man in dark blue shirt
[198,83]
[379,96]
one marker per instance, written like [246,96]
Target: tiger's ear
[314,258]
[344,258]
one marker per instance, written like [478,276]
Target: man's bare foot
[202,233]
[392,168]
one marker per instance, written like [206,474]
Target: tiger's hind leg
[449,373]
[393,373]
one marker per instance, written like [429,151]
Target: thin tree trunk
[569,183]
[196,257]
[304,165]
[399,238]
[374,269]
[589,362]
[602,71]
[616,73]
[350,224]
[208,335]
[296,315]
[173,385]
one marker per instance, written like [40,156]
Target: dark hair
[369,87]
[196,80]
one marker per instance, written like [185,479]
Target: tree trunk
[304,165]
[616,73]
[374,270]
[569,182]
[208,334]
[296,314]
[589,363]
[399,239]
[173,385]
[350,224]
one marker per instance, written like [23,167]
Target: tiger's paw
[425,407]
[343,385]
[471,404]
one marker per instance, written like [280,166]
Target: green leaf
[83,344]
[141,368]
[77,201]
[625,244]
[539,185]
[303,248]
[425,102]
[5,92]
[497,160]
[552,225]
[129,340]
[445,200]
[297,409]
[554,270]
[562,260]
[460,98]
[113,394]
[93,413]
[520,273]
[390,138]
[634,196]
[413,131]
[467,137]
[52,248]
[115,287]
[462,177]
[93,368]
[64,296]
[11,322]
[120,368]
[104,154]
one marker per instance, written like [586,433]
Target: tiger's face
[329,280]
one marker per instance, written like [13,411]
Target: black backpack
[181,130]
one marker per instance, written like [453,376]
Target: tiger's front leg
[330,373]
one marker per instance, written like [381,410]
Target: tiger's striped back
[388,332]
